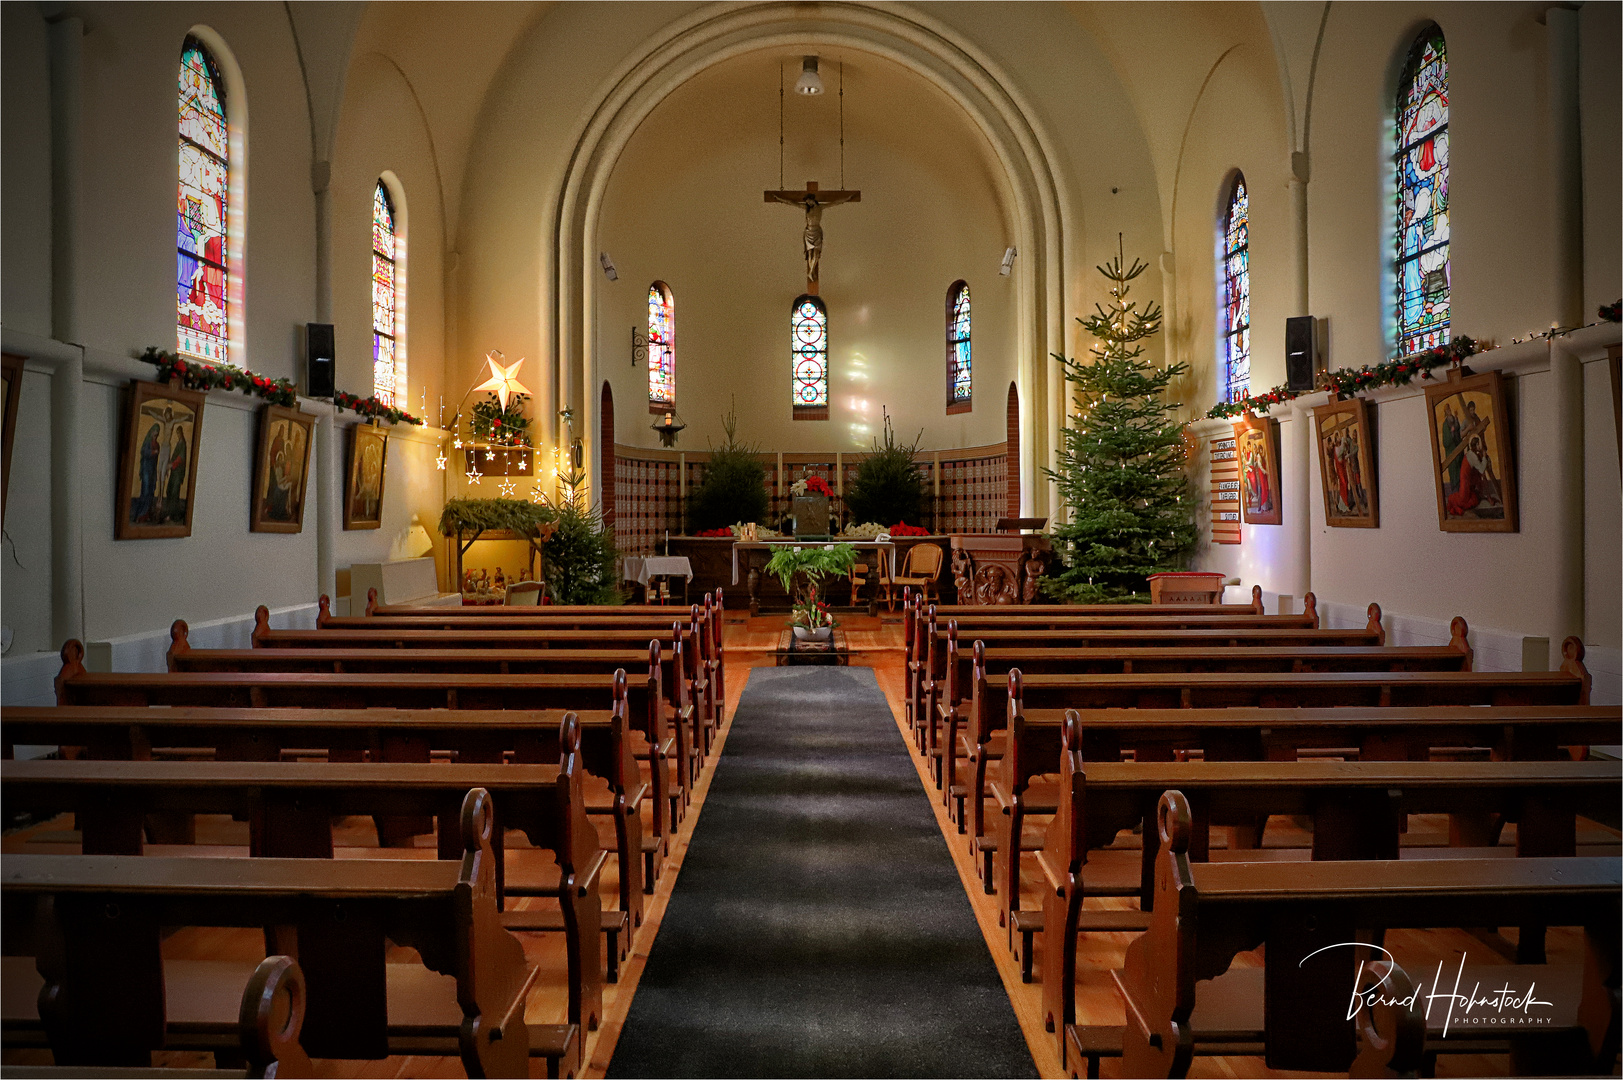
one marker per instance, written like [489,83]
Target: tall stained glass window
[386,374]
[661,348]
[958,373]
[809,343]
[1236,326]
[1421,174]
[202,293]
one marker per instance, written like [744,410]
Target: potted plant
[801,570]
[734,484]
[888,485]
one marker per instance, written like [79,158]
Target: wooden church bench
[1534,794]
[981,743]
[130,733]
[1358,811]
[645,711]
[269,1020]
[108,912]
[960,666]
[291,807]
[939,634]
[1207,913]
[676,681]
[709,616]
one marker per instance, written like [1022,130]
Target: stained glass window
[202,294]
[661,348]
[809,343]
[1236,327]
[386,373]
[958,374]
[1422,196]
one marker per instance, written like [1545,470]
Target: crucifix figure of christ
[814,202]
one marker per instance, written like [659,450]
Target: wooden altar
[999,569]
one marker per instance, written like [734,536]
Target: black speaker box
[318,357]
[1301,352]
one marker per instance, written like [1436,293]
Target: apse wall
[685,206]
[86,293]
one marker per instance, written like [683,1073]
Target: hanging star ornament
[509,489]
[503,380]
[439,462]
[474,475]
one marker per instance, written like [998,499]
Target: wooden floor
[875,642]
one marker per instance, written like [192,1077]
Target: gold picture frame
[1256,448]
[363,487]
[157,474]
[1472,453]
[281,470]
[1346,446]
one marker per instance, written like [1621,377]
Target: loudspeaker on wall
[1301,352]
[319,361]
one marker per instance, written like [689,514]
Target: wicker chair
[524,594]
[921,569]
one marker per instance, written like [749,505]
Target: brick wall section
[1012,453]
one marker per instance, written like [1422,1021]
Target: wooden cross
[813,202]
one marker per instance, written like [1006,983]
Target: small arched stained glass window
[386,376]
[959,383]
[809,344]
[202,295]
[1236,328]
[661,348]
[1421,175]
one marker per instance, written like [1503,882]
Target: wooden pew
[291,807]
[108,912]
[1358,810]
[589,618]
[413,690]
[695,631]
[998,662]
[133,733]
[1207,913]
[268,1024]
[939,633]
[1221,691]
[993,620]
[677,681]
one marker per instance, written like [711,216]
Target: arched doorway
[1011,461]
[605,454]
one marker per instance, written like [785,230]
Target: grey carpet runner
[819,927]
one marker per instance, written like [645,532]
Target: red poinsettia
[816,485]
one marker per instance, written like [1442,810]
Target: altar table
[754,556]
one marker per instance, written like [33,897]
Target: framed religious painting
[11,371]
[1471,453]
[281,469]
[157,473]
[363,489]
[1256,446]
[1347,465]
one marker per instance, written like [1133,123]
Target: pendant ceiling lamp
[809,82]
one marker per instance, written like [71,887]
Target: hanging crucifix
[813,202]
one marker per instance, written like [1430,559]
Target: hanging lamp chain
[842,125]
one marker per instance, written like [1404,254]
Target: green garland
[499,426]
[206,377]
[1345,382]
[478,515]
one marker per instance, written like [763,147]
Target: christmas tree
[1121,465]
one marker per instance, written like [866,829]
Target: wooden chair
[920,570]
[524,594]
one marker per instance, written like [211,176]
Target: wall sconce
[639,346]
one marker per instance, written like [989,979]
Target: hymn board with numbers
[1225,492]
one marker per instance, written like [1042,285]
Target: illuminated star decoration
[457,442]
[503,380]
[474,475]
[509,489]
[439,462]
[523,463]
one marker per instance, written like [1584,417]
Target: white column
[1567,377]
[1298,449]
[329,485]
[67,518]
[67,164]
[1566,164]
